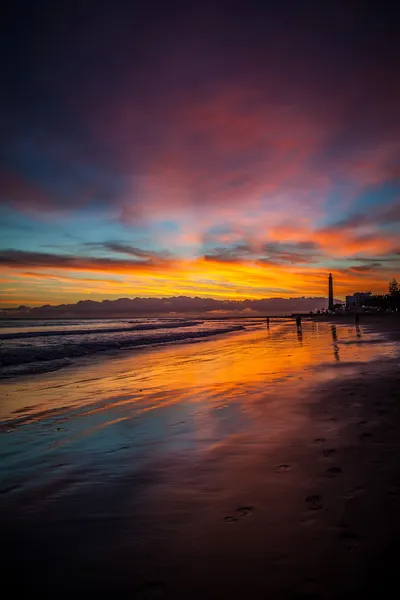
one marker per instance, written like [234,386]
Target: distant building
[357,300]
[330,286]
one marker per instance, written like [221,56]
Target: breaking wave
[23,358]
[62,332]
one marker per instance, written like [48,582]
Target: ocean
[29,347]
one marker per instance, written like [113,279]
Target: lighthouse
[330,279]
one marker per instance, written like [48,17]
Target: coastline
[268,466]
[22,364]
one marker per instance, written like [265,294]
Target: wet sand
[261,464]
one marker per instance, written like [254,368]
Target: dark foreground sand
[297,497]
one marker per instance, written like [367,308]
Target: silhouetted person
[268,322]
[298,322]
[357,319]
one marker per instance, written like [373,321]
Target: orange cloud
[210,277]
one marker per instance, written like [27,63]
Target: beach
[255,463]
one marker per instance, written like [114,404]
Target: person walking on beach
[357,319]
[268,322]
[298,322]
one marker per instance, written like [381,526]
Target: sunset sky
[225,149]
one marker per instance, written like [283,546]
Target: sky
[228,150]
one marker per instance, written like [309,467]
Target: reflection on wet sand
[203,373]
[151,466]
[335,343]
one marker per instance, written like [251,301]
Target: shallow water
[30,347]
[167,472]
[174,399]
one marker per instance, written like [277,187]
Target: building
[330,285]
[357,300]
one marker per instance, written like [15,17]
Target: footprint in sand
[230,519]
[333,471]
[245,511]
[319,441]
[361,423]
[356,491]
[328,452]
[314,502]
[282,468]
[365,435]
[240,513]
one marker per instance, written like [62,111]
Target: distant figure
[298,322]
[335,343]
[268,322]
[357,319]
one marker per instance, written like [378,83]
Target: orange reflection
[242,368]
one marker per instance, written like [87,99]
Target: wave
[35,359]
[64,332]
[35,368]
[149,326]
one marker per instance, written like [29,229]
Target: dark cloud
[235,253]
[369,259]
[295,252]
[127,249]
[367,267]
[225,130]
[22,259]
[275,253]
[94,96]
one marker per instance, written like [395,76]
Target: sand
[259,465]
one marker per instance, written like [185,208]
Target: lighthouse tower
[330,305]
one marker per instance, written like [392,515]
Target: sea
[29,347]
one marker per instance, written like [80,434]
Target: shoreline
[385,324]
[269,469]
[40,367]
